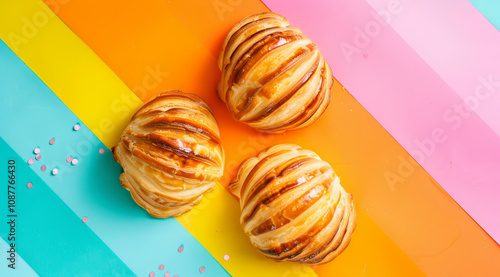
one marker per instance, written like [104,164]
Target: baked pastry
[170,153]
[293,207]
[273,77]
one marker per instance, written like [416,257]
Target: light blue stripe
[52,238]
[22,269]
[31,114]
[490,9]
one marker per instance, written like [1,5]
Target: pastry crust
[273,77]
[170,153]
[293,207]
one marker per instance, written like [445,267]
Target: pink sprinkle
[176,275]
[76,127]
[151,274]
[36,151]
[55,171]
[202,269]
[38,157]
[43,168]
[167,274]
[69,159]
[85,219]
[161,267]
[29,185]
[180,249]
[226,257]
[101,151]
[31,161]
[74,162]
[52,141]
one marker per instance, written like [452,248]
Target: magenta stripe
[460,44]
[408,98]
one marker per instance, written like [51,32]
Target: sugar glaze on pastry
[293,207]
[274,78]
[170,153]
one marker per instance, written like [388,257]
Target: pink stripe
[408,98]
[460,44]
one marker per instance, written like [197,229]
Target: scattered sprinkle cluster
[38,157]
[71,160]
[74,161]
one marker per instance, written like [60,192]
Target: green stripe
[34,114]
[49,235]
[22,268]
[490,9]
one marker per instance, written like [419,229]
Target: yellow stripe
[69,67]
[105,104]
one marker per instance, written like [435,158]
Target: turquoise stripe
[22,268]
[31,115]
[490,9]
[49,235]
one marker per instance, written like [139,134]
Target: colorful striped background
[412,131]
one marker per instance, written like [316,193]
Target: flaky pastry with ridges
[274,78]
[293,207]
[170,153]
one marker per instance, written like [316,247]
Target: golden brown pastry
[170,153]
[273,77]
[293,207]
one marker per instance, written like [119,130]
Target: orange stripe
[157,46]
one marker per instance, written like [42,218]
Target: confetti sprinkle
[29,185]
[55,171]
[36,151]
[101,151]
[167,274]
[180,249]
[176,275]
[161,267]
[202,269]
[76,127]
[43,168]
[38,157]
[52,141]
[151,274]
[85,219]
[226,257]
[69,159]
[30,161]
[74,161]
